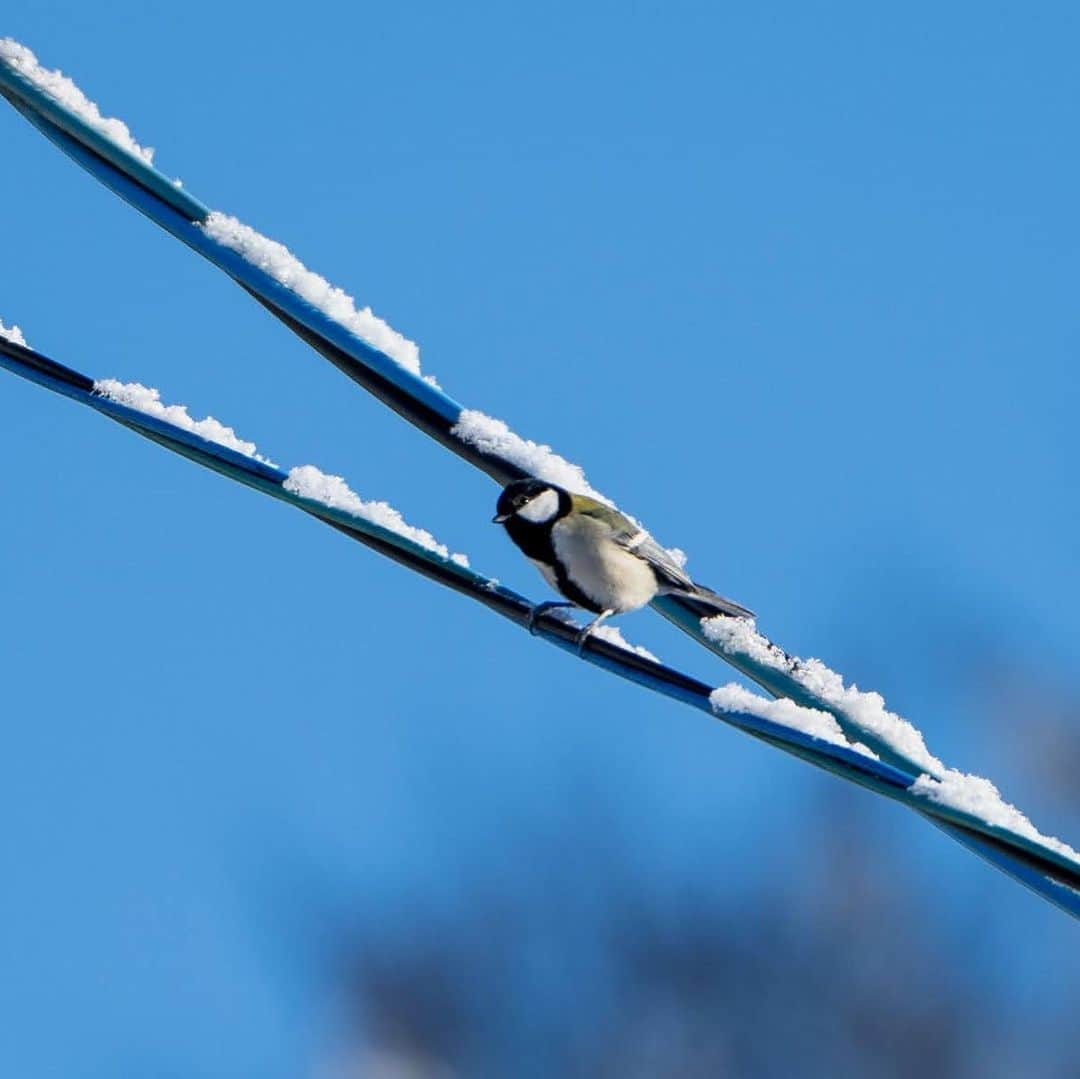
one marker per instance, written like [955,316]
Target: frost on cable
[979,797]
[12,334]
[490,435]
[613,635]
[785,712]
[284,267]
[867,711]
[308,482]
[64,92]
[147,400]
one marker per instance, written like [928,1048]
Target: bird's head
[533,501]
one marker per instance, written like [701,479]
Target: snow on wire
[867,711]
[979,797]
[493,436]
[13,334]
[147,400]
[938,783]
[283,266]
[64,92]
[305,480]
[734,698]
[309,482]
[269,255]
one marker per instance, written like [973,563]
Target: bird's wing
[632,537]
[666,568]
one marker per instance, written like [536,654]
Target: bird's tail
[707,603]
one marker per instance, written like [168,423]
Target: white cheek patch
[542,508]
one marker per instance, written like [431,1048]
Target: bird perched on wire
[595,556]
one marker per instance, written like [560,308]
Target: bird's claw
[542,608]
[583,636]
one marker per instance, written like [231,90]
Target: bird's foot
[543,608]
[583,636]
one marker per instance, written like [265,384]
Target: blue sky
[797,287]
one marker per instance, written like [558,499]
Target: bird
[595,556]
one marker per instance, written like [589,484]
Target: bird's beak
[500,518]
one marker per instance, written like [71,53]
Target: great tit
[595,556]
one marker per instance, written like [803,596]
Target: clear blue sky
[797,286]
